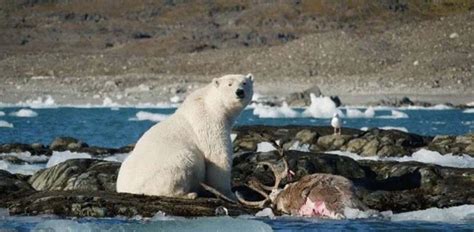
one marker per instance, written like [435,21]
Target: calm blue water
[112,128]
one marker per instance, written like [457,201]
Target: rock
[303,98]
[333,142]
[12,186]
[462,144]
[77,174]
[111,204]
[66,143]
[34,149]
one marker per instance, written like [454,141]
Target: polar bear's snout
[240,93]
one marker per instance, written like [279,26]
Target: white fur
[191,146]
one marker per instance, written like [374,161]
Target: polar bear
[192,146]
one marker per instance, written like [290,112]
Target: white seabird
[336,123]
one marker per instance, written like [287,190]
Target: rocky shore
[86,187]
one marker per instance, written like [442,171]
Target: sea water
[120,126]
[116,127]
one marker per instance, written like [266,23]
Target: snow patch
[47,102]
[299,147]
[265,147]
[422,156]
[5,124]
[321,107]
[154,117]
[284,111]
[24,113]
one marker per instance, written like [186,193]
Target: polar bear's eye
[230,84]
[245,83]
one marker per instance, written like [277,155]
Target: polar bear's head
[235,91]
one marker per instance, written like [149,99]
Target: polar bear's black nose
[240,93]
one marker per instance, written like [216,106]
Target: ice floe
[400,128]
[355,113]
[154,117]
[454,214]
[468,111]
[5,124]
[284,111]
[2,113]
[395,114]
[24,113]
[422,156]
[321,107]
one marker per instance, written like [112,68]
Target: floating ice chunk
[180,224]
[399,128]
[24,113]
[2,113]
[395,114]
[450,215]
[5,124]
[435,107]
[283,111]
[267,212]
[61,156]
[265,147]
[154,117]
[117,157]
[466,111]
[321,107]
[355,113]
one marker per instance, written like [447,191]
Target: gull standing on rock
[336,123]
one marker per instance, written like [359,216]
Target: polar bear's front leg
[218,176]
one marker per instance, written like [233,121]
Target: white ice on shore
[284,111]
[321,107]
[26,156]
[24,113]
[435,107]
[468,111]
[154,117]
[450,215]
[395,114]
[25,169]
[61,156]
[265,147]
[422,156]
[5,124]
[47,102]
[117,157]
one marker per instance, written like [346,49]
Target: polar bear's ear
[215,82]
[249,76]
